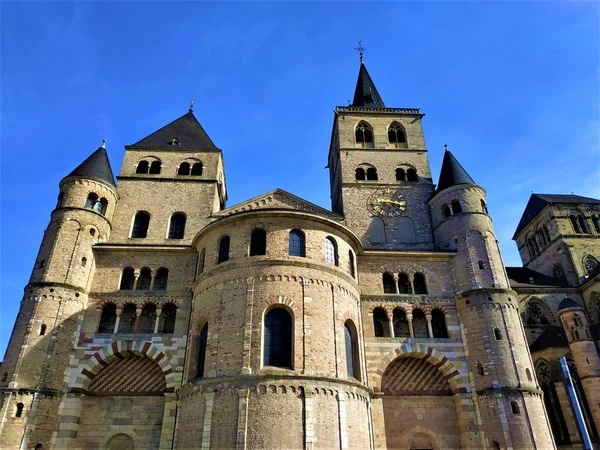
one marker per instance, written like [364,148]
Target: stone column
[118,311]
[410,326]
[309,419]
[209,398]
[390,321]
[157,321]
[429,329]
[242,419]
[341,398]
[138,313]
[136,275]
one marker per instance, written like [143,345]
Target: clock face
[387,203]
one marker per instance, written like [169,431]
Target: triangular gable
[279,199]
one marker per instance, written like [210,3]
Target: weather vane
[192,105]
[445,146]
[360,49]
[103,143]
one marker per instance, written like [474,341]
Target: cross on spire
[192,105]
[360,49]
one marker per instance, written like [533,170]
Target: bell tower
[379,171]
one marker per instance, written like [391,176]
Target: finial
[360,49]
[446,147]
[103,143]
[192,105]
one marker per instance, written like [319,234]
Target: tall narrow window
[396,135]
[583,224]
[438,324]
[19,411]
[144,280]
[278,339]
[140,225]
[446,210]
[360,174]
[127,320]
[497,334]
[411,175]
[351,341]
[223,250]
[60,199]
[575,223]
[197,168]
[389,285]
[43,329]
[177,226]
[184,169]
[108,318]
[364,134]
[372,173]
[419,284]
[258,242]
[127,279]
[484,206]
[168,317]
[400,322]
[201,261]
[201,355]
[479,368]
[155,167]
[142,167]
[419,323]
[381,323]
[400,175]
[514,406]
[296,244]
[91,200]
[404,286]
[456,207]
[331,255]
[351,269]
[160,280]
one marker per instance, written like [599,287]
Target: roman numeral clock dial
[386,203]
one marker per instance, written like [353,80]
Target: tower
[379,172]
[500,367]
[39,348]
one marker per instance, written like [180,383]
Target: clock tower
[379,171]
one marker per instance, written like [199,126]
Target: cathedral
[159,317]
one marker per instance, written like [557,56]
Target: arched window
[83,261]
[39,446]
[360,174]
[419,284]
[184,169]
[514,406]
[404,286]
[331,254]
[400,175]
[419,323]
[142,167]
[456,207]
[201,355]
[528,373]
[351,341]
[43,329]
[168,317]
[438,324]
[446,210]
[19,411]
[108,318]
[177,226]
[140,225]
[484,206]
[590,263]
[258,242]
[201,261]
[278,339]
[60,199]
[400,322]
[197,168]
[147,319]
[411,175]
[127,320]
[381,323]
[495,445]
[155,167]
[372,174]
[389,285]
[479,368]
[127,279]
[144,280]
[481,264]
[497,334]
[364,134]
[297,243]
[534,314]
[223,250]
[160,280]
[91,200]
[351,268]
[583,224]
[396,135]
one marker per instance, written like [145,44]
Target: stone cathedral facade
[156,317]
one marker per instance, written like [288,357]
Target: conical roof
[186,131]
[95,166]
[452,173]
[366,93]
[567,303]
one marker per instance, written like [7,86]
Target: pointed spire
[366,94]
[184,132]
[452,173]
[96,166]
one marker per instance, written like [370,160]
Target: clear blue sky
[512,87]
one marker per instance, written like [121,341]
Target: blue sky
[512,87]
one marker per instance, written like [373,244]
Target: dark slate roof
[96,166]
[187,130]
[452,173]
[551,337]
[520,276]
[537,202]
[568,303]
[366,93]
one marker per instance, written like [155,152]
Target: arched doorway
[120,441]
[417,396]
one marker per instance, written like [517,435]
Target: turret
[500,367]
[32,374]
